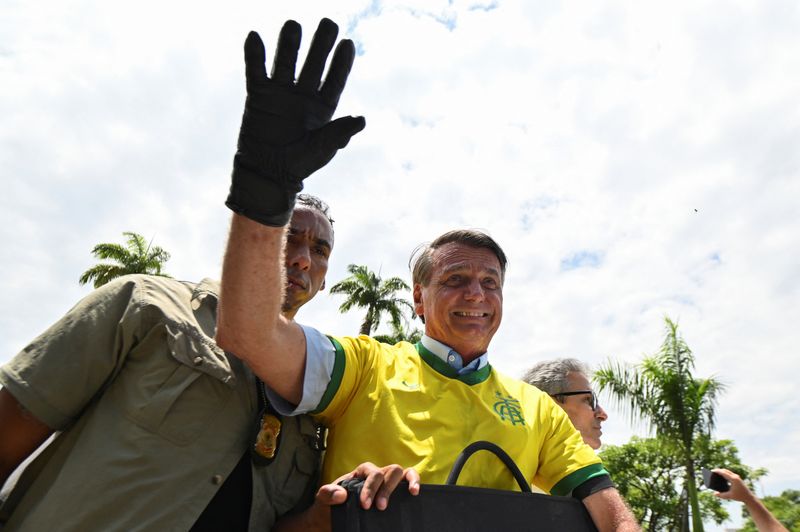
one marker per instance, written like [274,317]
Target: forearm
[251,290]
[763,519]
[249,323]
[610,513]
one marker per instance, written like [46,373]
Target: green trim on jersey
[336,377]
[475,377]
[576,478]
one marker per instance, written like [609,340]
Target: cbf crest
[508,408]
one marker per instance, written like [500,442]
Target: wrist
[318,517]
[268,200]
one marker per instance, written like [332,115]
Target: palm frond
[137,256]
[365,289]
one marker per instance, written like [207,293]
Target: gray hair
[550,376]
[421,261]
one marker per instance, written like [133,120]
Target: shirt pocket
[302,478]
[187,390]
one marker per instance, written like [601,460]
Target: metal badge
[266,443]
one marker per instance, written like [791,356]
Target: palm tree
[365,289]
[136,257]
[663,391]
[400,334]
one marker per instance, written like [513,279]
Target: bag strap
[481,445]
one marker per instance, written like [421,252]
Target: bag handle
[482,445]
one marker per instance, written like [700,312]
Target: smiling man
[567,381]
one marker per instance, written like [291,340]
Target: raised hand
[286,132]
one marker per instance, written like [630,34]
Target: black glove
[286,132]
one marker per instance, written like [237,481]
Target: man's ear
[419,306]
[322,286]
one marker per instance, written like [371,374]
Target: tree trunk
[366,327]
[691,489]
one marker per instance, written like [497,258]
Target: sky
[635,160]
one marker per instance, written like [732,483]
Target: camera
[715,481]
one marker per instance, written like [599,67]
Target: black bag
[444,508]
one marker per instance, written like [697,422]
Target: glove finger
[322,144]
[286,53]
[255,71]
[340,67]
[335,135]
[321,46]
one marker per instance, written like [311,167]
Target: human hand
[379,483]
[286,132]
[739,490]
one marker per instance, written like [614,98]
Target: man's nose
[474,291]
[600,414]
[299,257]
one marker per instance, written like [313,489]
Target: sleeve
[320,359]
[343,362]
[565,461]
[57,375]
[354,368]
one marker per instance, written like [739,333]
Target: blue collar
[452,358]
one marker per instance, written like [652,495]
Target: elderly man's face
[463,302]
[308,246]
[579,410]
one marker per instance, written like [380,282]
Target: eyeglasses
[593,402]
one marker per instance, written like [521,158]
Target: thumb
[331,494]
[322,144]
[335,135]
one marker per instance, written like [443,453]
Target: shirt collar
[452,358]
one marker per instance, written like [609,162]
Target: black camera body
[715,481]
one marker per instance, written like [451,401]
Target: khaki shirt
[152,415]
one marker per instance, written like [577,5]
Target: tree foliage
[408,334]
[645,472]
[137,256]
[365,289]
[663,391]
[785,507]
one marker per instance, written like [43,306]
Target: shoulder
[520,386]
[143,289]
[154,288]
[167,294]
[364,343]
[161,300]
[364,353]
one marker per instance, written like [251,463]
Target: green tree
[665,393]
[400,334]
[137,256]
[785,507]
[645,470]
[365,289]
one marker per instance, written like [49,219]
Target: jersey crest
[508,408]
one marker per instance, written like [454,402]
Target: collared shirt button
[197,361]
[451,358]
[216,480]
